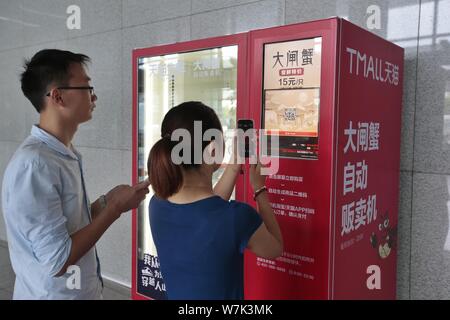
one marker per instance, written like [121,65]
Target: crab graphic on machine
[385,239]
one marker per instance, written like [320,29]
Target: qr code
[289,114]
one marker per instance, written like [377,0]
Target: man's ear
[56,97]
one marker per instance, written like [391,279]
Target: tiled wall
[111,28]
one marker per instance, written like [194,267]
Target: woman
[200,235]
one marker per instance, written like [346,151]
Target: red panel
[134,176]
[309,238]
[364,97]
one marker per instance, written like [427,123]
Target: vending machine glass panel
[164,81]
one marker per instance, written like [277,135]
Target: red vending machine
[330,93]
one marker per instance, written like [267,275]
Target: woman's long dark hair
[166,177]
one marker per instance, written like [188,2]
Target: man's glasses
[91,89]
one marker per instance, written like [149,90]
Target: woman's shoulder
[203,202]
[210,203]
[241,206]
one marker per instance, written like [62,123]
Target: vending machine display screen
[291,97]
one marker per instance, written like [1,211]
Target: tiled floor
[112,290]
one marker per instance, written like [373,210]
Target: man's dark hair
[46,67]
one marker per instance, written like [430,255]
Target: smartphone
[246,124]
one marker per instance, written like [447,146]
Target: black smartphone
[246,124]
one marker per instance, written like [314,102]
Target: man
[50,223]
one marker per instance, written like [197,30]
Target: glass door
[209,75]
